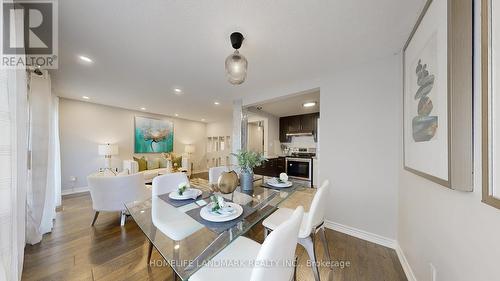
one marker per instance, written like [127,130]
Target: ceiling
[291,105]
[141,51]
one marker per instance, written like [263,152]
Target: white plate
[191,193]
[206,213]
[275,183]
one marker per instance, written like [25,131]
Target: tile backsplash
[302,141]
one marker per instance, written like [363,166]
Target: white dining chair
[278,249]
[161,185]
[110,193]
[215,172]
[168,183]
[312,223]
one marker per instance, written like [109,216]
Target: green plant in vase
[247,160]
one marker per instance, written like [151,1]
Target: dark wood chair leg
[95,217]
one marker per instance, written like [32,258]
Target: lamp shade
[108,149]
[189,148]
[236,68]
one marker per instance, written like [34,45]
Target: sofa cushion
[143,164]
[123,173]
[153,164]
[163,162]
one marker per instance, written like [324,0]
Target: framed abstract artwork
[153,135]
[437,95]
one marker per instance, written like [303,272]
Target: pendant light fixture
[236,63]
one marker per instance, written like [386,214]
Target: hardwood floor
[76,251]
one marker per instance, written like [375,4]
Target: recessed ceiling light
[143,108]
[85,98]
[85,59]
[176,115]
[177,91]
[202,119]
[309,104]
[216,102]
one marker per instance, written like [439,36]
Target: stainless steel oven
[299,168]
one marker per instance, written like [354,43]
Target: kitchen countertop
[284,156]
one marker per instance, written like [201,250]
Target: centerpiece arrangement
[247,160]
[182,187]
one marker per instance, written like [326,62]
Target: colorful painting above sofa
[153,135]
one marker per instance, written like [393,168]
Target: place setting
[219,213]
[183,195]
[281,182]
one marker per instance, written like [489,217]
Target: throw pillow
[153,164]
[178,161]
[163,162]
[143,164]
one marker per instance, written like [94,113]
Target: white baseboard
[404,263]
[74,190]
[377,239]
[361,234]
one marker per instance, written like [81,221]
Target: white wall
[360,141]
[452,230]
[271,131]
[84,125]
[255,138]
[220,128]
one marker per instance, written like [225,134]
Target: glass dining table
[186,242]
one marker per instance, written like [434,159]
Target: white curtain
[13,168]
[56,153]
[13,172]
[44,176]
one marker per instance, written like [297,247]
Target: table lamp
[107,150]
[190,149]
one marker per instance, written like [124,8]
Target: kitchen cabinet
[294,123]
[306,123]
[271,168]
[283,129]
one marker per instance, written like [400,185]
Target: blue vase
[246,181]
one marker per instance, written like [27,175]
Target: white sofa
[132,167]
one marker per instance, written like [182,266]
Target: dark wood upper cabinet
[283,129]
[294,123]
[298,124]
[308,122]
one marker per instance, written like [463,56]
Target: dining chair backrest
[168,183]
[110,193]
[277,254]
[316,213]
[215,172]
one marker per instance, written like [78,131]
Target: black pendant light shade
[236,40]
